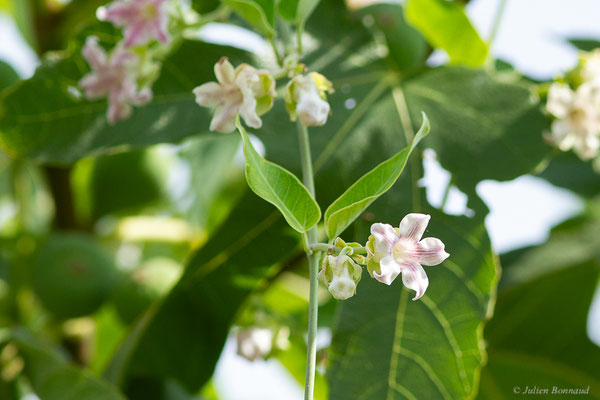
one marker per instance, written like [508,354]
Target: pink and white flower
[142,20]
[114,77]
[245,90]
[394,251]
[254,343]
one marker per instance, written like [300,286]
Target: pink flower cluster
[116,75]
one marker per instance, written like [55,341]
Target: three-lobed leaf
[280,188]
[342,212]
[446,25]
[431,348]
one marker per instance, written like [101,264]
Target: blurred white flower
[590,66]
[305,99]
[142,20]
[244,90]
[393,251]
[340,274]
[577,124]
[114,77]
[254,343]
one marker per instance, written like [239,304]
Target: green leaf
[567,170]
[427,349]
[342,212]
[8,75]
[446,25]
[485,128]
[181,338]
[280,188]
[52,378]
[259,13]
[297,11]
[585,44]
[42,119]
[406,45]
[538,336]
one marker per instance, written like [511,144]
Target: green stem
[276,51]
[299,31]
[313,263]
[446,195]
[325,247]
[497,21]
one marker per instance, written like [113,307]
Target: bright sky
[533,38]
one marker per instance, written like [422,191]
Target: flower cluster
[124,75]
[574,102]
[250,93]
[390,252]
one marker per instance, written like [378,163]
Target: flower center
[402,250]
[150,11]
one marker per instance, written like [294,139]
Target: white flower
[577,125]
[340,274]
[254,343]
[305,99]
[142,20]
[393,251]
[114,77]
[246,91]
[590,66]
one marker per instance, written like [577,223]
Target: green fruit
[143,286]
[72,275]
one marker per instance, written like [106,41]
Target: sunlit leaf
[446,26]
[259,13]
[280,188]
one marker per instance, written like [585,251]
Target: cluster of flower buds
[390,252]
[125,74]
[250,93]
[574,102]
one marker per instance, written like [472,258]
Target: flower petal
[413,226]
[560,100]
[209,94]
[431,251]
[385,238]
[415,278]
[93,53]
[390,269]
[224,119]
[224,71]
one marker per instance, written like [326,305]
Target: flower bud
[305,99]
[341,275]
[254,343]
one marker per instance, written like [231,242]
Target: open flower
[244,90]
[142,20]
[114,77]
[341,275]
[305,99]
[393,251]
[577,125]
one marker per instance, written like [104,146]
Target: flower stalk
[313,264]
